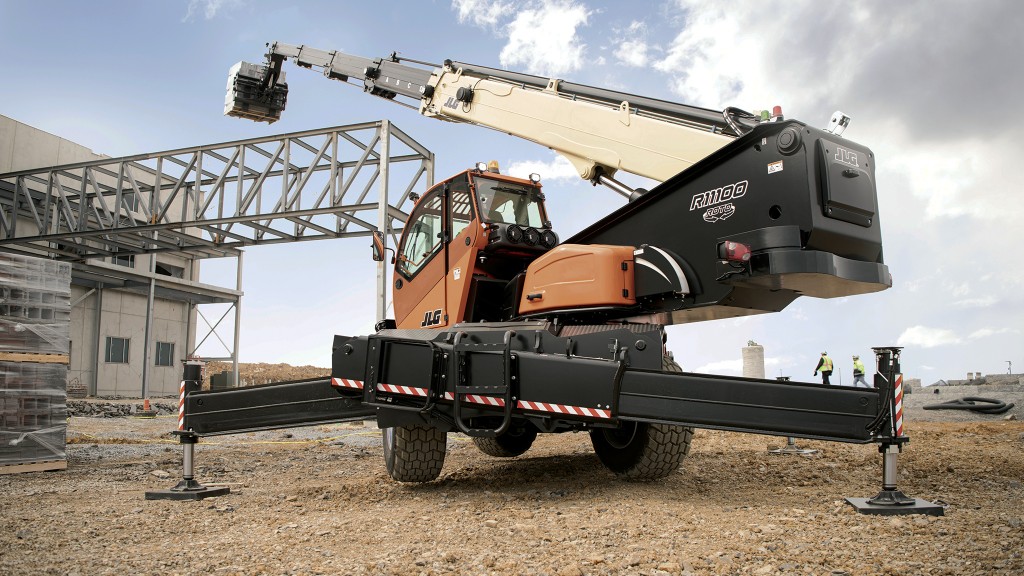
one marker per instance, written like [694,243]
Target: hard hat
[855,357]
[824,353]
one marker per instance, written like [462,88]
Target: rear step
[502,392]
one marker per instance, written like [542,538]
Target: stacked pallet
[35,327]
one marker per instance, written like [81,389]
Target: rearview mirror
[378,246]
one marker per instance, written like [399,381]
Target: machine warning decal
[716,213]
[457,273]
[431,318]
[775,167]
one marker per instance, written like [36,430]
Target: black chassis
[482,378]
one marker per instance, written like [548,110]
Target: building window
[125,260]
[165,353]
[117,350]
[131,201]
[170,270]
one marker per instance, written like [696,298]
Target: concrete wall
[124,316]
[23,147]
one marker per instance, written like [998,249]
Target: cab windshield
[509,203]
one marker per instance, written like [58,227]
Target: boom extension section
[600,131]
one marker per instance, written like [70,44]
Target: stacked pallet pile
[35,327]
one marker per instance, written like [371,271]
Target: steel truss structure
[211,201]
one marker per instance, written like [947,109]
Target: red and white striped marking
[345,383]
[535,406]
[565,409]
[407,390]
[898,393]
[482,400]
[181,406]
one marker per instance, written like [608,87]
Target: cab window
[509,203]
[462,205]
[424,236]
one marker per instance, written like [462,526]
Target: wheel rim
[622,437]
[389,443]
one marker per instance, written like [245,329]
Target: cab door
[436,256]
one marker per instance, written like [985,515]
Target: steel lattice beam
[210,200]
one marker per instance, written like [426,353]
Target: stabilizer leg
[188,488]
[890,501]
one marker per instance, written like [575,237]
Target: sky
[932,86]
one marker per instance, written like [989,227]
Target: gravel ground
[317,500]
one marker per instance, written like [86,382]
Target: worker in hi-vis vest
[858,373]
[825,367]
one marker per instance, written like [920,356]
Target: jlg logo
[452,103]
[431,318]
[846,157]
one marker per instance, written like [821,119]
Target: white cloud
[633,52]
[986,332]
[983,302]
[542,38]
[957,178]
[735,367]
[482,13]
[209,8]
[633,48]
[557,169]
[925,337]
[720,367]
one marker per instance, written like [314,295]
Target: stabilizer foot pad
[917,506]
[199,494]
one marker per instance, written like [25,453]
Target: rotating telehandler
[501,331]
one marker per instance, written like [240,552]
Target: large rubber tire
[643,451]
[513,442]
[414,453]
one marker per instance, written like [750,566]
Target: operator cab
[465,246]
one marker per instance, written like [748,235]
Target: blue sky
[932,87]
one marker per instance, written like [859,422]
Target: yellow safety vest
[826,364]
[858,366]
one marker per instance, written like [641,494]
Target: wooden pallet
[33,357]
[41,466]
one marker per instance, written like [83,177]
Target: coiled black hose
[987,406]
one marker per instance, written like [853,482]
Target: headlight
[548,239]
[514,234]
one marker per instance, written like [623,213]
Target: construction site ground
[317,500]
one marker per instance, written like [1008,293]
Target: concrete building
[135,229]
[110,296]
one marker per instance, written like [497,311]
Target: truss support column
[97,340]
[147,344]
[238,318]
[383,218]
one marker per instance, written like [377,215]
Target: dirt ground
[317,500]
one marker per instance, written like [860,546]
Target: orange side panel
[579,276]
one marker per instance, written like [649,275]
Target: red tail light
[734,251]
